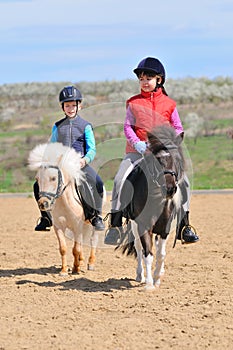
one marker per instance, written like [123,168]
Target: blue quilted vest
[70,132]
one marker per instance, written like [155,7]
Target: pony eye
[53,178]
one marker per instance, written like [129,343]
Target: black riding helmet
[69,93]
[151,65]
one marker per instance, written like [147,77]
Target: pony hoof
[149,288]
[90,267]
[63,274]
[76,270]
[157,283]
[140,279]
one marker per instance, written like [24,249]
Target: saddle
[87,200]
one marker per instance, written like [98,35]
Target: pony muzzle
[44,204]
[171,191]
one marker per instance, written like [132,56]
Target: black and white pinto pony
[59,175]
[155,202]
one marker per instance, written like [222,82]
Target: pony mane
[162,137]
[56,154]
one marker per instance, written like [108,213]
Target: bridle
[60,186]
[156,174]
[173,173]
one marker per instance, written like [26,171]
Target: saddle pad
[134,182]
[122,194]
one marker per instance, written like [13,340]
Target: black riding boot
[114,232]
[45,222]
[185,231]
[97,221]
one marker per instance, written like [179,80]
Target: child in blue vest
[75,132]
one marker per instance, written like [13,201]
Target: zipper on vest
[153,102]
[70,134]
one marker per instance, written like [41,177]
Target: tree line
[187,90]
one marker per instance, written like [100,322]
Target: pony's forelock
[162,136]
[56,154]
[36,157]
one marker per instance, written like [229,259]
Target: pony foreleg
[63,250]
[146,242]
[92,257]
[78,257]
[148,260]
[140,270]
[138,246]
[160,245]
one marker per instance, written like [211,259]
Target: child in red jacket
[144,111]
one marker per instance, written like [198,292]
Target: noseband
[173,173]
[60,188]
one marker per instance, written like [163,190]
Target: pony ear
[179,138]
[60,158]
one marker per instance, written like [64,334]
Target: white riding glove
[140,147]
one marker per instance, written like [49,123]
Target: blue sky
[91,40]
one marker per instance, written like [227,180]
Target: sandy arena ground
[106,308]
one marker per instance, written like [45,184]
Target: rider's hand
[82,162]
[140,147]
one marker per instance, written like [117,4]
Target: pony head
[165,145]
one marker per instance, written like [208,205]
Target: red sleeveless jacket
[149,109]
